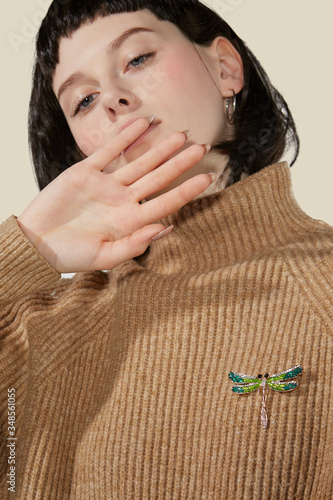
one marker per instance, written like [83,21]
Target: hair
[264,128]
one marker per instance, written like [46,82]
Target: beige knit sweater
[120,379]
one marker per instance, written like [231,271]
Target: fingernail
[187,133]
[162,233]
[213,176]
[207,147]
[151,119]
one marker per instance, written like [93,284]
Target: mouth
[142,137]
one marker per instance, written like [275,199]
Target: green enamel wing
[281,382]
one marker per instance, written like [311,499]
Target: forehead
[98,35]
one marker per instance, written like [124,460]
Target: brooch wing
[243,383]
[285,381]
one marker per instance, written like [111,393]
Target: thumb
[114,253]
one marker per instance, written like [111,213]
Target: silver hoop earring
[231,113]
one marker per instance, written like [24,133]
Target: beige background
[291,38]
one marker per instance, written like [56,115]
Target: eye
[140,60]
[84,103]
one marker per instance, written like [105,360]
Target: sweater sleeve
[310,261]
[22,269]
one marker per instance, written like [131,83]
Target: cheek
[190,91]
[188,80]
[93,133]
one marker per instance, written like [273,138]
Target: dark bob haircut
[264,128]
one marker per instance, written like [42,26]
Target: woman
[120,378]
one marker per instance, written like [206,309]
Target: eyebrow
[114,45]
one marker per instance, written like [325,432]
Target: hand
[87,219]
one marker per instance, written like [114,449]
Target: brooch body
[281,382]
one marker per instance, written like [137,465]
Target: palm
[89,220]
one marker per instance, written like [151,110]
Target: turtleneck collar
[247,219]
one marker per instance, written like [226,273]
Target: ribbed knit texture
[121,378]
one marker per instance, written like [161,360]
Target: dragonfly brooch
[282,382]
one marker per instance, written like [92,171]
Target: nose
[119,101]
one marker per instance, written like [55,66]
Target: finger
[101,158]
[170,202]
[161,177]
[113,253]
[150,160]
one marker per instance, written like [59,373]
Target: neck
[235,224]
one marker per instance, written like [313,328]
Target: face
[132,65]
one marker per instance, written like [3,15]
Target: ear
[226,65]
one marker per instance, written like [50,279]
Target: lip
[126,124]
[142,136]
[132,120]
